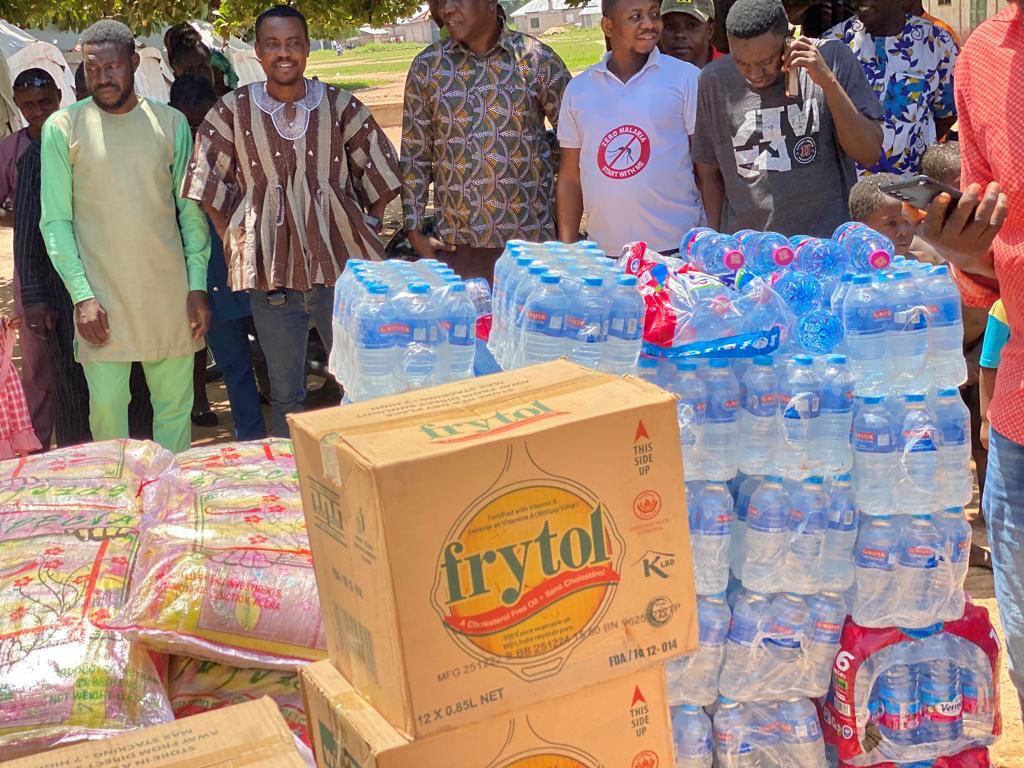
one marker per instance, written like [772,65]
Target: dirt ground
[1007,753]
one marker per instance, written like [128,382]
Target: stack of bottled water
[555,300]
[400,326]
[784,734]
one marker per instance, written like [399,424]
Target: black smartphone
[919,191]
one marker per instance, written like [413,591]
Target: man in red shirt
[986,246]
[688,28]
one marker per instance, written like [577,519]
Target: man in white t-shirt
[624,135]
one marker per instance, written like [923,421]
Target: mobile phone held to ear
[920,191]
[792,75]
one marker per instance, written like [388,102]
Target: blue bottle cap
[861,280]
[524,261]
[686,365]
[916,397]
[949,392]
[376,288]
[593,282]
[815,480]
[903,274]
[837,359]
[958,511]
[774,479]
[548,279]
[763,361]
[803,360]
[873,399]
[941,269]
[537,269]
[647,362]
[419,288]
[719,362]
[459,287]
[627,280]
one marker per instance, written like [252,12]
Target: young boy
[624,131]
[883,213]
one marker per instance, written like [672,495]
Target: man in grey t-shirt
[769,161]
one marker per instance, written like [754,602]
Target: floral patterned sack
[69,531]
[225,571]
[197,686]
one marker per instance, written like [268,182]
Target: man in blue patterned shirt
[909,62]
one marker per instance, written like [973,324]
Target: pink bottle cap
[784,256]
[733,260]
[879,259]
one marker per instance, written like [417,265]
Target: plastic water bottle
[691,734]
[716,254]
[956,535]
[767,535]
[820,331]
[837,571]
[839,292]
[517,325]
[691,406]
[907,340]
[954,422]
[759,418]
[733,729]
[375,344]
[801,734]
[876,566]
[866,317]
[917,573]
[945,329]
[742,661]
[419,317]
[544,322]
[828,614]
[588,323]
[941,701]
[691,238]
[788,622]
[694,679]
[808,523]
[919,445]
[868,250]
[801,413]
[720,421]
[800,290]
[766,252]
[458,324]
[836,415]
[874,457]
[709,537]
[625,327]
[503,269]
[647,368]
[823,258]
[898,704]
[738,537]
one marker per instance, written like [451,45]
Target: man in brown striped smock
[295,175]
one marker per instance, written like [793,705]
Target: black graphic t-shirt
[780,157]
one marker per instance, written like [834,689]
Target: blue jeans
[284,330]
[228,340]
[1003,506]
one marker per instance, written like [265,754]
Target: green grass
[578,48]
[353,85]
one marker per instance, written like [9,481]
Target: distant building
[538,16]
[964,15]
[418,28]
[370,34]
[590,17]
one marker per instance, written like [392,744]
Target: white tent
[153,78]
[20,51]
[241,55]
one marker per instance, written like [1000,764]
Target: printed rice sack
[225,571]
[197,686]
[68,537]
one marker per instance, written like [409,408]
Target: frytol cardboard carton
[250,735]
[484,545]
[622,723]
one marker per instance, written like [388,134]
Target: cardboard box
[251,735]
[488,544]
[623,723]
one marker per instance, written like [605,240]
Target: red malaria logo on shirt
[624,152]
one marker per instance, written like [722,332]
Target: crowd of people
[146,233]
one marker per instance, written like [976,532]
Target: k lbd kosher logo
[624,152]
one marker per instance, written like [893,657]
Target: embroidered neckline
[296,128]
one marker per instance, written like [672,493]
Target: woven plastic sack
[197,686]
[225,571]
[67,543]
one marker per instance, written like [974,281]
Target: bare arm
[220,221]
[569,196]
[712,191]
[986,390]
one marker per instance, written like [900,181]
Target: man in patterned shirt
[909,62]
[475,107]
[295,175]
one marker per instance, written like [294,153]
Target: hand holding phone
[920,191]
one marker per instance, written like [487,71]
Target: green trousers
[170,390]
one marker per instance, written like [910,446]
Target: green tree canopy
[327,18]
